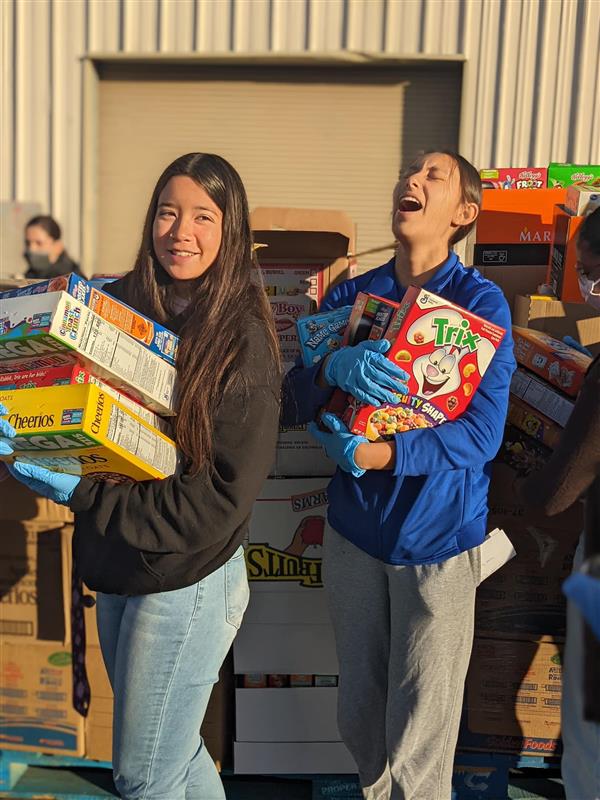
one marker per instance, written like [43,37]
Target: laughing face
[427,202]
[435,372]
[187,230]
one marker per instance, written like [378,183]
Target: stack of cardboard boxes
[284,654]
[512,697]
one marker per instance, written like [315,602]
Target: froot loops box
[445,350]
[82,430]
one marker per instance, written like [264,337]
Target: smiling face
[428,204]
[187,229]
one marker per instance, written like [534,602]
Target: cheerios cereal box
[82,430]
[445,350]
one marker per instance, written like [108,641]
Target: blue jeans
[163,653]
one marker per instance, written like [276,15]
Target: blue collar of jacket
[385,277]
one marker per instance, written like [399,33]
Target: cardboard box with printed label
[44,324]
[561,175]
[514,178]
[559,319]
[542,397]
[582,199]
[83,431]
[562,275]
[551,359]
[515,280]
[533,422]
[155,337]
[512,697]
[303,253]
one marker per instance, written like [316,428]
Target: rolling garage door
[327,137]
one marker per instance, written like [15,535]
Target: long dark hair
[224,301]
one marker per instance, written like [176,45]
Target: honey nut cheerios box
[82,430]
[55,322]
[445,350]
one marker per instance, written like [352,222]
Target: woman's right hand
[364,372]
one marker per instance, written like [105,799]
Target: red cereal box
[51,370]
[514,178]
[445,350]
[555,361]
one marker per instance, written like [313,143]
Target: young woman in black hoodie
[165,556]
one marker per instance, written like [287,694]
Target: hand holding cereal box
[445,350]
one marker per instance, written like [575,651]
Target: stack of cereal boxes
[89,385]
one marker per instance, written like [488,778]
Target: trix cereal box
[81,430]
[45,324]
[560,175]
[63,370]
[445,350]
[155,337]
[555,361]
[514,178]
[321,334]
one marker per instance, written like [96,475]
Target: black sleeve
[184,513]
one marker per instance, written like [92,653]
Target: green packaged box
[561,175]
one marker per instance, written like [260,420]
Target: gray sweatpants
[403,639]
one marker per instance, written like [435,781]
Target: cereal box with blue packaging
[321,334]
[155,337]
[55,322]
[445,351]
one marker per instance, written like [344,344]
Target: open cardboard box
[559,319]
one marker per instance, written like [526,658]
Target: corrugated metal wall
[531,92]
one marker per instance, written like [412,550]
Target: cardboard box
[559,319]
[498,254]
[155,337]
[582,199]
[286,715]
[542,397]
[521,452]
[514,178]
[512,697]
[35,582]
[303,253]
[44,324]
[515,280]
[285,648]
[292,758]
[83,431]
[533,423]
[561,175]
[551,359]
[522,216]
[17,502]
[562,275]
[445,350]
[36,712]
[64,370]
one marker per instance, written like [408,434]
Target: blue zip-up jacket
[433,504]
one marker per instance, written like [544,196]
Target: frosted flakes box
[321,334]
[64,370]
[155,337]
[55,322]
[445,350]
[514,178]
[551,359]
[82,430]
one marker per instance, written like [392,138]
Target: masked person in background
[573,472]
[44,250]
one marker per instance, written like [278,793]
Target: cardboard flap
[302,219]
[322,246]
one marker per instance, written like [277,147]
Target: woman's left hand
[340,445]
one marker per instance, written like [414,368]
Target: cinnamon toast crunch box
[445,350]
[155,337]
[82,430]
[55,322]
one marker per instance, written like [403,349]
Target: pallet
[477,776]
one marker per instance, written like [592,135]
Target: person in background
[166,556]
[45,252]
[572,474]
[401,561]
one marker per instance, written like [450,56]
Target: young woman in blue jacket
[406,516]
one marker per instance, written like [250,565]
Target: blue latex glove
[54,485]
[7,432]
[584,591]
[576,346]
[340,444]
[364,372]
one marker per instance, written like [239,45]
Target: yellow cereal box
[83,430]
